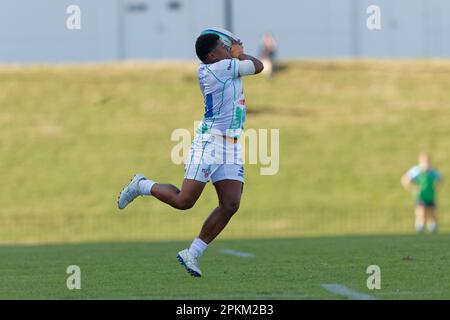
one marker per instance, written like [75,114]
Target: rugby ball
[224,35]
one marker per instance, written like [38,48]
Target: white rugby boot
[190,262]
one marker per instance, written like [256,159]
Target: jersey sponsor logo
[209,106]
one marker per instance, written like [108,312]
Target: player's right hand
[236,49]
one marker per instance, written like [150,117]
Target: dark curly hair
[205,44]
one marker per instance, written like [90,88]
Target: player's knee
[231,207]
[185,204]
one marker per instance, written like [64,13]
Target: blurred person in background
[268,52]
[423,180]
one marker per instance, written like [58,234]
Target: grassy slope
[72,136]
[411,268]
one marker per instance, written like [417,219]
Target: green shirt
[426,182]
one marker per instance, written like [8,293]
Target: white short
[215,158]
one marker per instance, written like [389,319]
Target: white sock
[432,227]
[197,247]
[420,227]
[145,187]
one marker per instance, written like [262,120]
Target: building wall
[35,31]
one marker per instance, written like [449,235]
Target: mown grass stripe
[341,290]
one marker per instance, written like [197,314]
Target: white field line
[237,253]
[341,290]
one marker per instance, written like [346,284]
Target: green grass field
[72,136]
[411,268]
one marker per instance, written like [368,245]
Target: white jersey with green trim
[224,99]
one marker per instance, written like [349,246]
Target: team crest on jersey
[206,172]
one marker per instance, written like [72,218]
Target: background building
[36,31]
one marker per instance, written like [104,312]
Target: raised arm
[237,51]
